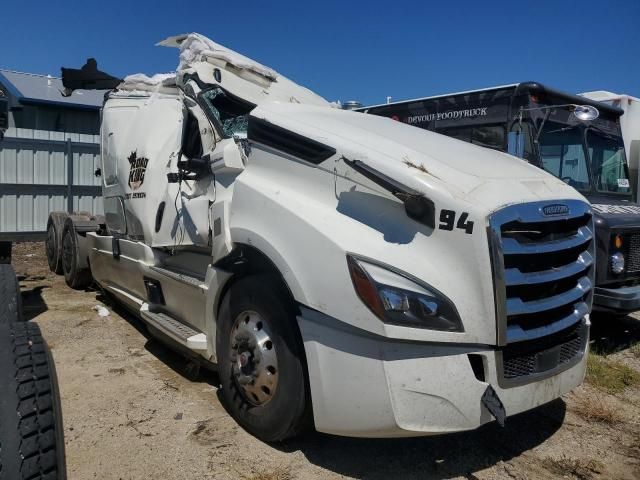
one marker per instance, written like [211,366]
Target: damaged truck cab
[342,271]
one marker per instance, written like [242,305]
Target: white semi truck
[342,271]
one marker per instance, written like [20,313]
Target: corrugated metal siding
[28,213]
[45,162]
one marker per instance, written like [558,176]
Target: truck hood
[612,213]
[424,161]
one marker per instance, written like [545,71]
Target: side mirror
[586,113]
[515,144]
[230,161]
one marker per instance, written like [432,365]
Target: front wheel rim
[253,357]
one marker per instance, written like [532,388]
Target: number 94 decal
[448,220]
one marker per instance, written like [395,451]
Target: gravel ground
[133,411]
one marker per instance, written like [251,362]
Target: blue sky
[346,50]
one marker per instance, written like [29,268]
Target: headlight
[399,299]
[617,263]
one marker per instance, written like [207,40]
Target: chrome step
[180,277]
[175,329]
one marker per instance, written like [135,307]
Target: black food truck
[576,139]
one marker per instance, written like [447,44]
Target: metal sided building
[49,153]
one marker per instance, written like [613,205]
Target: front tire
[261,360]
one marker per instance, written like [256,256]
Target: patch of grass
[609,375]
[636,350]
[281,472]
[575,467]
[597,411]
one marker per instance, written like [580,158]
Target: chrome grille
[632,263]
[559,350]
[543,269]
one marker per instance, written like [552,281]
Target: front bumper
[619,300]
[368,386]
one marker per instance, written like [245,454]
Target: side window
[231,114]
[459,133]
[191,139]
[490,136]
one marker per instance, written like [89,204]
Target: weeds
[597,411]
[282,472]
[420,167]
[578,468]
[609,375]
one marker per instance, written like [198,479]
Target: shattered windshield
[608,162]
[230,113]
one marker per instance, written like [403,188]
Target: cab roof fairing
[242,77]
[195,47]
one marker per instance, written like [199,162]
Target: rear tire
[76,277]
[10,298]
[283,409]
[53,243]
[31,433]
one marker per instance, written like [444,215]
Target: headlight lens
[617,263]
[397,299]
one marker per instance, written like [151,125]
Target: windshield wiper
[563,129]
[603,132]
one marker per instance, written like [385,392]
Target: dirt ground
[132,411]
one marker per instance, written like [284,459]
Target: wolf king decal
[138,169]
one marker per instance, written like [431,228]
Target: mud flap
[492,402]
[115,248]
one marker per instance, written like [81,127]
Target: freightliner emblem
[555,209]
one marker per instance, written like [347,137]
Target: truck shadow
[179,363]
[436,457]
[611,334]
[32,302]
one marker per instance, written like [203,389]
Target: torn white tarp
[139,82]
[238,75]
[102,311]
[164,79]
[196,48]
